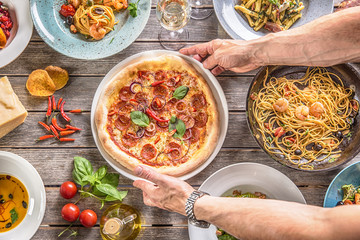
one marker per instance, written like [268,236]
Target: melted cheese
[12,112]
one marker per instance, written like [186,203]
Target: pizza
[159,112]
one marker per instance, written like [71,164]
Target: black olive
[339,135]
[10,196]
[339,203]
[2,201]
[8,225]
[289,133]
[69,20]
[298,152]
[1,196]
[99,10]
[310,146]
[24,204]
[317,147]
[8,177]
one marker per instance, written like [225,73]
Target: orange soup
[14,200]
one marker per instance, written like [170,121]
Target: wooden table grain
[54,162]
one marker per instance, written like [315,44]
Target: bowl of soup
[22,198]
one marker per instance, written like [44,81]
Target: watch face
[200,224]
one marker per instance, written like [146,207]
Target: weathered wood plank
[80,90]
[25,134]
[55,166]
[147,233]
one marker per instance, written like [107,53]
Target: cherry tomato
[70,212]
[68,190]
[67,10]
[88,218]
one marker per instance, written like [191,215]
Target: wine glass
[199,11]
[173,15]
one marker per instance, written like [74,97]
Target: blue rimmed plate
[54,31]
[349,175]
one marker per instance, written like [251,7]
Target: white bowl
[20,33]
[212,82]
[18,167]
[246,177]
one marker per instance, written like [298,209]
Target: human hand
[165,192]
[220,55]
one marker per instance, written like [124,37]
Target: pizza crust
[110,93]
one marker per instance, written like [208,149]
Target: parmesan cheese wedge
[12,112]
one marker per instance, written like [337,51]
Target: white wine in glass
[173,15]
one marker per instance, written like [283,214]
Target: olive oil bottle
[120,222]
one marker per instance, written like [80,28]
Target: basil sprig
[179,125]
[133,7]
[102,185]
[180,92]
[140,118]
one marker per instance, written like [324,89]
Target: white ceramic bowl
[20,33]
[18,167]
[246,177]
[211,80]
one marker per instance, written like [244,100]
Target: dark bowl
[350,75]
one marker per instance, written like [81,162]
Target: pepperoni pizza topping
[125,94]
[187,134]
[171,103]
[141,97]
[201,119]
[180,106]
[198,101]
[195,135]
[122,122]
[188,120]
[173,150]
[148,152]
[160,90]
[150,130]
[125,108]
[129,139]
[162,124]
[158,102]
[160,75]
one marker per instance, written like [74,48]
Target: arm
[252,218]
[329,40]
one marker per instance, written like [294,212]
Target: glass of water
[200,10]
[173,15]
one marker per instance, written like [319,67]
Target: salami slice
[173,150]
[122,122]
[198,101]
[129,139]
[171,103]
[188,120]
[160,90]
[125,94]
[160,75]
[195,135]
[141,97]
[180,106]
[148,151]
[201,119]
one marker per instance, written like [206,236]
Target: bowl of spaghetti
[91,29]
[306,118]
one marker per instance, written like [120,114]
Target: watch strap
[189,209]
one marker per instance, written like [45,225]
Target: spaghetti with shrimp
[304,120]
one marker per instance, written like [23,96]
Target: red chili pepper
[45,126]
[48,113]
[157,140]
[76,111]
[67,10]
[65,133]
[279,132]
[53,102]
[67,139]
[63,114]
[55,124]
[44,137]
[178,78]
[54,131]
[267,125]
[59,102]
[172,132]
[72,127]
[153,115]
[157,83]
[292,139]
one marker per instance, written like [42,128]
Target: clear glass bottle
[120,222]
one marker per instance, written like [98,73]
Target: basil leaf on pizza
[179,125]
[180,92]
[140,118]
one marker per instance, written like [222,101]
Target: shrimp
[97,31]
[281,105]
[302,112]
[75,3]
[117,4]
[316,109]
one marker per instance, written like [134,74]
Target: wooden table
[54,162]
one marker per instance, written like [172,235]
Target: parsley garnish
[133,7]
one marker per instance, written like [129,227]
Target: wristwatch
[189,209]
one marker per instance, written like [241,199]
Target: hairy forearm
[272,219]
[327,41]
